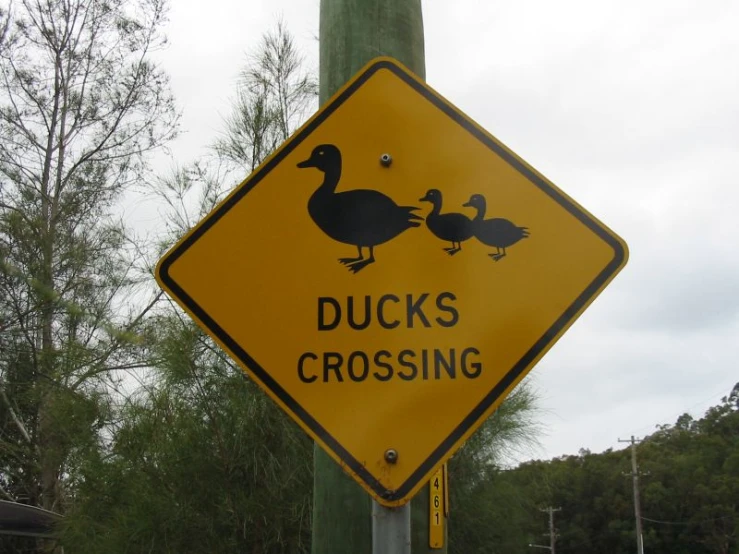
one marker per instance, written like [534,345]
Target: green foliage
[274,96]
[81,106]
[689,493]
[482,504]
[205,462]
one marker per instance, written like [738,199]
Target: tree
[690,498]
[274,96]
[209,462]
[483,504]
[81,107]
[204,462]
[689,489]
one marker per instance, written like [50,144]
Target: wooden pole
[351,33]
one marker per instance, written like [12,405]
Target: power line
[671,419]
[687,522]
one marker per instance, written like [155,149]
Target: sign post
[391,529]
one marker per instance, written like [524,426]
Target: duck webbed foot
[357,264]
[350,261]
[453,249]
[498,255]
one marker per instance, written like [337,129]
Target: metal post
[391,529]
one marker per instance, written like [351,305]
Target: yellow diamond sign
[389,275]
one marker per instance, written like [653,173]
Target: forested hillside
[689,484]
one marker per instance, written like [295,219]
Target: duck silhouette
[497,232]
[453,227]
[361,217]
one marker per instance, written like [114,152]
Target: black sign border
[569,315]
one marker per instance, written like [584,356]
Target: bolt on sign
[389,275]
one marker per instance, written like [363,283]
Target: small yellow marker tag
[437,509]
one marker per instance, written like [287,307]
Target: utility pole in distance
[552,531]
[637,507]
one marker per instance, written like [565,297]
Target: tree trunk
[50,450]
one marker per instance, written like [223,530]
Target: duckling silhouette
[450,226]
[361,217]
[496,232]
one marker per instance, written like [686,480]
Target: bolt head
[386,160]
[391,455]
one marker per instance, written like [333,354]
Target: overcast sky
[632,108]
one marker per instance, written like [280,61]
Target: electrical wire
[686,522]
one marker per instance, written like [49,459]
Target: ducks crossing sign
[389,275]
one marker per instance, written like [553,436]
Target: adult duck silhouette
[497,232]
[453,227]
[361,217]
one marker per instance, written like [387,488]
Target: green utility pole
[353,32]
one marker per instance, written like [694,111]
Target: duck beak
[307,163]
[424,199]
[467,205]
